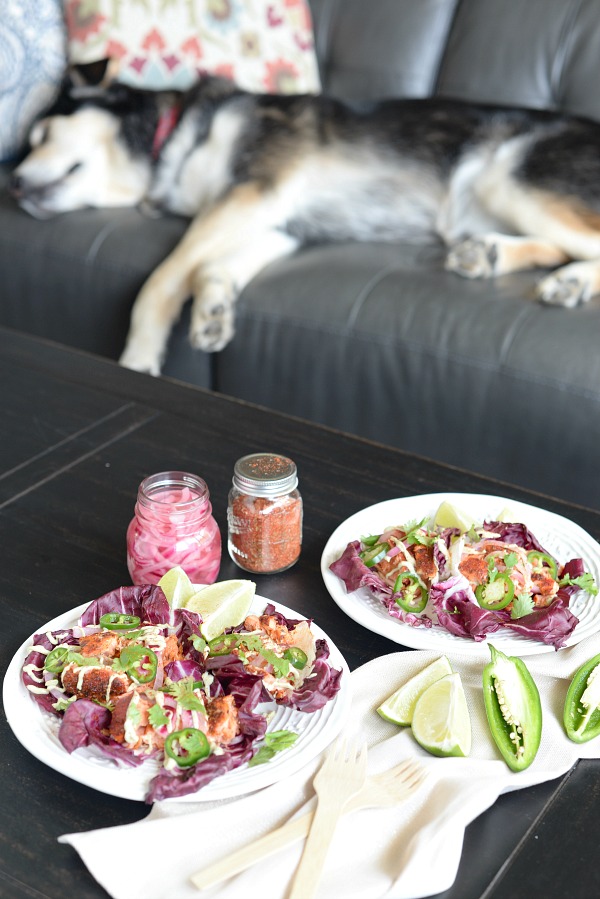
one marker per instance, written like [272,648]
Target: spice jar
[173,526]
[264,514]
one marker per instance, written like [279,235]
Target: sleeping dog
[259,176]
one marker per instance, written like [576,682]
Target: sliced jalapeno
[187,746]
[495,594]
[375,554]
[57,659]
[296,657]
[581,713]
[410,593]
[139,663]
[540,561]
[117,621]
[513,709]
[223,644]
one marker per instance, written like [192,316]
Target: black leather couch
[374,339]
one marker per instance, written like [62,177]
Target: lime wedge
[441,722]
[221,605]
[177,587]
[399,707]
[448,516]
[507,515]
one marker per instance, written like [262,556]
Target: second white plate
[559,536]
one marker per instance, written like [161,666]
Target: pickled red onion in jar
[173,526]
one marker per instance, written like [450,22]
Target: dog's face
[76,161]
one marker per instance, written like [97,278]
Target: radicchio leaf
[36,659]
[515,533]
[552,625]
[84,723]
[351,569]
[320,686]
[148,602]
[458,611]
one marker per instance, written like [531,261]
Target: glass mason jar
[173,526]
[264,514]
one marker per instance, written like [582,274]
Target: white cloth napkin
[406,852]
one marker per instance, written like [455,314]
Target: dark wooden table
[78,435]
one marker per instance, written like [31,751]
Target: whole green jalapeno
[513,709]
[581,715]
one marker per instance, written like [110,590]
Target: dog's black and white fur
[505,189]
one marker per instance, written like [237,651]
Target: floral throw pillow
[32,64]
[263,45]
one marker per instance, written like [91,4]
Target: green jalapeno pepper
[539,561]
[223,644]
[116,621]
[296,657]
[497,593]
[374,554]
[139,663]
[57,659]
[513,709]
[187,746]
[581,713]
[412,593]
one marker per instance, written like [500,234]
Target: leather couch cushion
[74,278]
[380,341]
[538,53]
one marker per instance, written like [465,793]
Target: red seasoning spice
[264,514]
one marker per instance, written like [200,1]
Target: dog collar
[167,120]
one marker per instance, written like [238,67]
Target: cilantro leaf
[585,581]
[522,605]
[414,533]
[274,742]
[254,643]
[183,691]
[198,642]
[79,660]
[511,559]
[156,716]
[280,739]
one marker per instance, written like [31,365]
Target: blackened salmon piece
[475,569]
[543,583]
[104,644]
[99,682]
[222,719]
[117,721]
[424,562]
[172,650]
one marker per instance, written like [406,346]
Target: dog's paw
[473,258]
[212,318]
[139,359]
[212,330]
[564,288]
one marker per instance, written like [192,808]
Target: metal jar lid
[265,474]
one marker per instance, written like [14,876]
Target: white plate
[38,732]
[562,538]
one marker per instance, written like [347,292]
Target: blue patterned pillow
[32,62]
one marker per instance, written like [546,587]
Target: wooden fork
[340,777]
[380,791]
